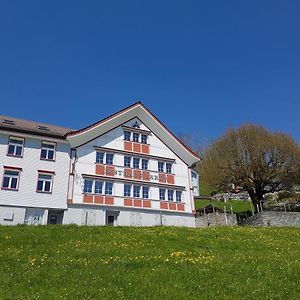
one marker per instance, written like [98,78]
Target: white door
[34,216]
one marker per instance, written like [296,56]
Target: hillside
[235,205]
[51,262]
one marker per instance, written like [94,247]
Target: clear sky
[199,66]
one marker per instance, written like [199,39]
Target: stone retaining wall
[216,219]
[274,218]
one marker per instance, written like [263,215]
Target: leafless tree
[252,159]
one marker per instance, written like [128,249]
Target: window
[161,166]
[145,164]
[178,196]
[88,186]
[168,167]
[144,139]
[44,184]
[127,135]
[99,157]
[170,195]
[145,192]
[108,188]
[127,190]
[162,194]
[136,191]
[194,175]
[98,187]
[47,151]
[10,179]
[127,161]
[136,163]
[15,146]
[109,158]
[136,137]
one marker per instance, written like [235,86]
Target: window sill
[45,159]
[9,189]
[43,192]
[17,156]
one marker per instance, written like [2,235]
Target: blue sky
[199,66]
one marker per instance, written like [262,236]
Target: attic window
[40,127]
[9,122]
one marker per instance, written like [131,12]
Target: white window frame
[130,190]
[113,156]
[133,163]
[11,177]
[163,166]
[147,187]
[44,182]
[178,199]
[47,149]
[139,187]
[15,145]
[94,187]
[134,134]
[112,188]
[99,162]
[126,131]
[130,159]
[164,194]
[143,137]
[169,171]
[169,193]
[142,165]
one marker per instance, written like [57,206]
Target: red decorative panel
[162,177]
[128,173]
[136,147]
[127,202]
[137,203]
[172,206]
[100,169]
[163,205]
[137,174]
[88,199]
[180,206]
[146,175]
[128,146]
[99,199]
[147,203]
[110,171]
[109,200]
[145,149]
[170,179]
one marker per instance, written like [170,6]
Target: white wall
[114,139]
[16,215]
[125,217]
[30,164]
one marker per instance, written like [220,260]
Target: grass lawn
[237,206]
[55,262]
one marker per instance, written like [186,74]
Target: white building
[127,169]
[34,168]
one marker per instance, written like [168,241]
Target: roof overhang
[80,137]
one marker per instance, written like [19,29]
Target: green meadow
[230,205]
[69,262]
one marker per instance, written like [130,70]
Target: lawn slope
[54,262]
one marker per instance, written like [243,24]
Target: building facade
[125,170]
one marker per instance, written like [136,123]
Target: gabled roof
[30,127]
[82,136]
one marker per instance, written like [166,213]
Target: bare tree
[252,159]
